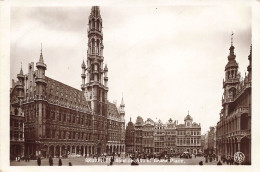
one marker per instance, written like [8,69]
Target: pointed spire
[95,11]
[41,57]
[250,55]
[130,119]
[21,71]
[232,47]
[83,64]
[249,68]
[232,38]
[122,101]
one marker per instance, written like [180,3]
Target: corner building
[233,130]
[61,120]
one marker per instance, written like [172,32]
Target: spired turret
[231,69]
[20,86]
[83,75]
[106,77]
[122,107]
[41,66]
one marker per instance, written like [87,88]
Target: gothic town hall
[49,118]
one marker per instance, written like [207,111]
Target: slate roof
[65,95]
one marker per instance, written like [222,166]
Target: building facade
[61,120]
[159,137]
[170,137]
[234,127]
[163,138]
[189,136]
[139,134]
[148,132]
[130,137]
[16,118]
[115,122]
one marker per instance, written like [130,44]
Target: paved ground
[90,161]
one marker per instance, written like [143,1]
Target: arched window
[93,46]
[98,47]
[16,112]
[97,24]
[93,23]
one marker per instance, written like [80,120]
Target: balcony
[240,110]
[239,133]
[94,31]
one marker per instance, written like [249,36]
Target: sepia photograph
[101,85]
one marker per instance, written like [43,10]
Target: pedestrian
[232,160]
[219,163]
[60,162]
[70,164]
[228,160]
[39,161]
[111,161]
[29,157]
[50,161]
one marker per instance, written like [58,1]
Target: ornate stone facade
[16,118]
[188,136]
[130,137]
[61,120]
[148,139]
[233,130]
[163,138]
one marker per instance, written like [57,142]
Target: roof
[112,110]
[67,95]
[139,120]
[188,117]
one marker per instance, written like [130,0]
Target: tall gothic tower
[95,89]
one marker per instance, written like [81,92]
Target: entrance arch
[245,148]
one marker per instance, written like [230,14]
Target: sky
[164,60]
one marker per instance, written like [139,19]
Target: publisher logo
[239,157]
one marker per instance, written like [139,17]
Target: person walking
[111,161]
[50,161]
[39,161]
[60,162]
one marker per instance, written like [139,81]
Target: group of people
[39,161]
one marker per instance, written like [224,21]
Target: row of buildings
[233,130]
[163,138]
[48,117]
